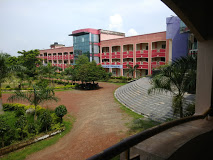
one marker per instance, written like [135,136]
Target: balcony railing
[105,55]
[128,54]
[126,144]
[142,54]
[158,53]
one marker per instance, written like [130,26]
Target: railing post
[127,154]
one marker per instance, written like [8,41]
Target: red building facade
[116,51]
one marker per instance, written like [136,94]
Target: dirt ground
[99,124]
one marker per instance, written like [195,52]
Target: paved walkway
[156,106]
[100,123]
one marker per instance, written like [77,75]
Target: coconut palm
[178,78]
[132,69]
[5,72]
[35,97]
[48,70]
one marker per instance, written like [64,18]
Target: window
[146,47]
[164,46]
[82,39]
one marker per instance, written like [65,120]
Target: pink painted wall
[146,38]
[57,50]
[109,36]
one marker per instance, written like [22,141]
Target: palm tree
[48,70]
[132,69]
[5,72]
[35,97]
[178,78]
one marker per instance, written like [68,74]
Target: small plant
[4,128]
[60,111]
[20,125]
[7,86]
[45,120]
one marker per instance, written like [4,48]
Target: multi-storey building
[114,51]
[57,55]
[148,51]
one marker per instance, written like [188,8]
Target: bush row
[60,87]
[16,124]
[18,106]
[121,77]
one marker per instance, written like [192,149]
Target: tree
[95,72]
[37,96]
[177,78]
[71,73]
[5,71]
[45,119]
[60,111]
[4,129]
[30,60]
[132,69]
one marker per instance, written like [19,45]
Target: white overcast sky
[35,24]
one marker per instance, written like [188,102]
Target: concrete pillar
[204,76]
[149,58]
[122,74]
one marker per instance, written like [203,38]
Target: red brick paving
[99,124]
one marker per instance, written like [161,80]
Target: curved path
[157,107]
[99,124]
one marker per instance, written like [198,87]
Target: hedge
[18,106]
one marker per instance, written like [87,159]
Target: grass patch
[23,153]
[128,111]
[138,125]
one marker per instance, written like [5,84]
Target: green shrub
[20,125]
[45,120]
[17,106]
[60,111]
[19,112]
[7,86]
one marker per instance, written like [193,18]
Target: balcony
[65,57]
[71,56]
[49,57]
[158,53]
[60,57]
[105,55]
[128,54]
[126,63]
[44,57]
[157,64]
[142,54]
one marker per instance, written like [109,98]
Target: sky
[35,24]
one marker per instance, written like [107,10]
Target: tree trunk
[181,112]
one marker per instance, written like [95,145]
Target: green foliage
[4,130]
[35,97]
[30,60]
[23,153]
[142,124]
[18,106]
[14,128]
[45,120]
[60,111]
[177,78]
[42,83]
[20,125]
[190,110]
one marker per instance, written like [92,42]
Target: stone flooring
[157,107]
